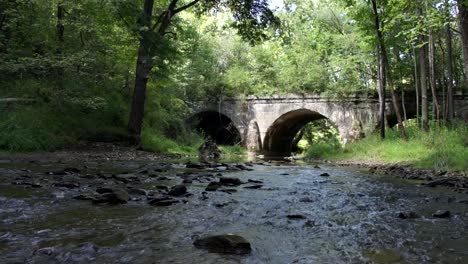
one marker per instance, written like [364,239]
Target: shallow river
[348,217]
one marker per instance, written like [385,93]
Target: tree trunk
[297,138]
[449,74]
[423,85]
[143,68]
[144,63]
[388,76]
[403,104]
[463,17]
[416,88]
[432,77]
[60,26]
[382,91]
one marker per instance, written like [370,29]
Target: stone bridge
[268,124]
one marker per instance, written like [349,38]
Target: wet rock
[69,185]
[316,167]
[436,182]
[104,190]
[219,205]
[225,244]
[178,190]
[257,186]
[296,216]
[230,181]
[441,214]
[88,176]
[84,197]
[46,251]
[407,215]
[36,185]
[126,178]
[187,181]
[324,174]
[162,187]
[72,170]
[162,201]
[190,165]
[114,196]
[221,168]
[66,171]
[284,174]
[254,181]
[243,167]
[163,178]
[229,191]
[213,186]
[309,223]
[137,191]
[306,200]
[21,182]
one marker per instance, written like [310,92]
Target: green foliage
[441,148]
[153,141]
[321,150]
[233,152]
[42,127]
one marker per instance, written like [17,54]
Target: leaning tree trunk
[143,68]
[383,53]
[144,62]
[423,85]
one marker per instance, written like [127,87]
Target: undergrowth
[440,148]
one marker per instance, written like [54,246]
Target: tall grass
[441,148]
[156,142]
[186,144]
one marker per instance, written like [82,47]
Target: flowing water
[348,217]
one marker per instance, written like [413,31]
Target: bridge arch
[216,125]
[281,132]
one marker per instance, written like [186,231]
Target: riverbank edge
[454,180]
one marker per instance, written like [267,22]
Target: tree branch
[455,30]
[182,8]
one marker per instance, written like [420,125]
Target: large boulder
[225,244]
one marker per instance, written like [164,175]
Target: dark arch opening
[280,135]
[216,125]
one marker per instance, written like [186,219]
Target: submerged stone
[224,244]
[230,181]
[178,190]
[441,214]
[407,215]
[114,196]
[213,186]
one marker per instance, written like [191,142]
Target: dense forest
[105,70]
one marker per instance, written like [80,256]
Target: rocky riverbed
[99,208]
